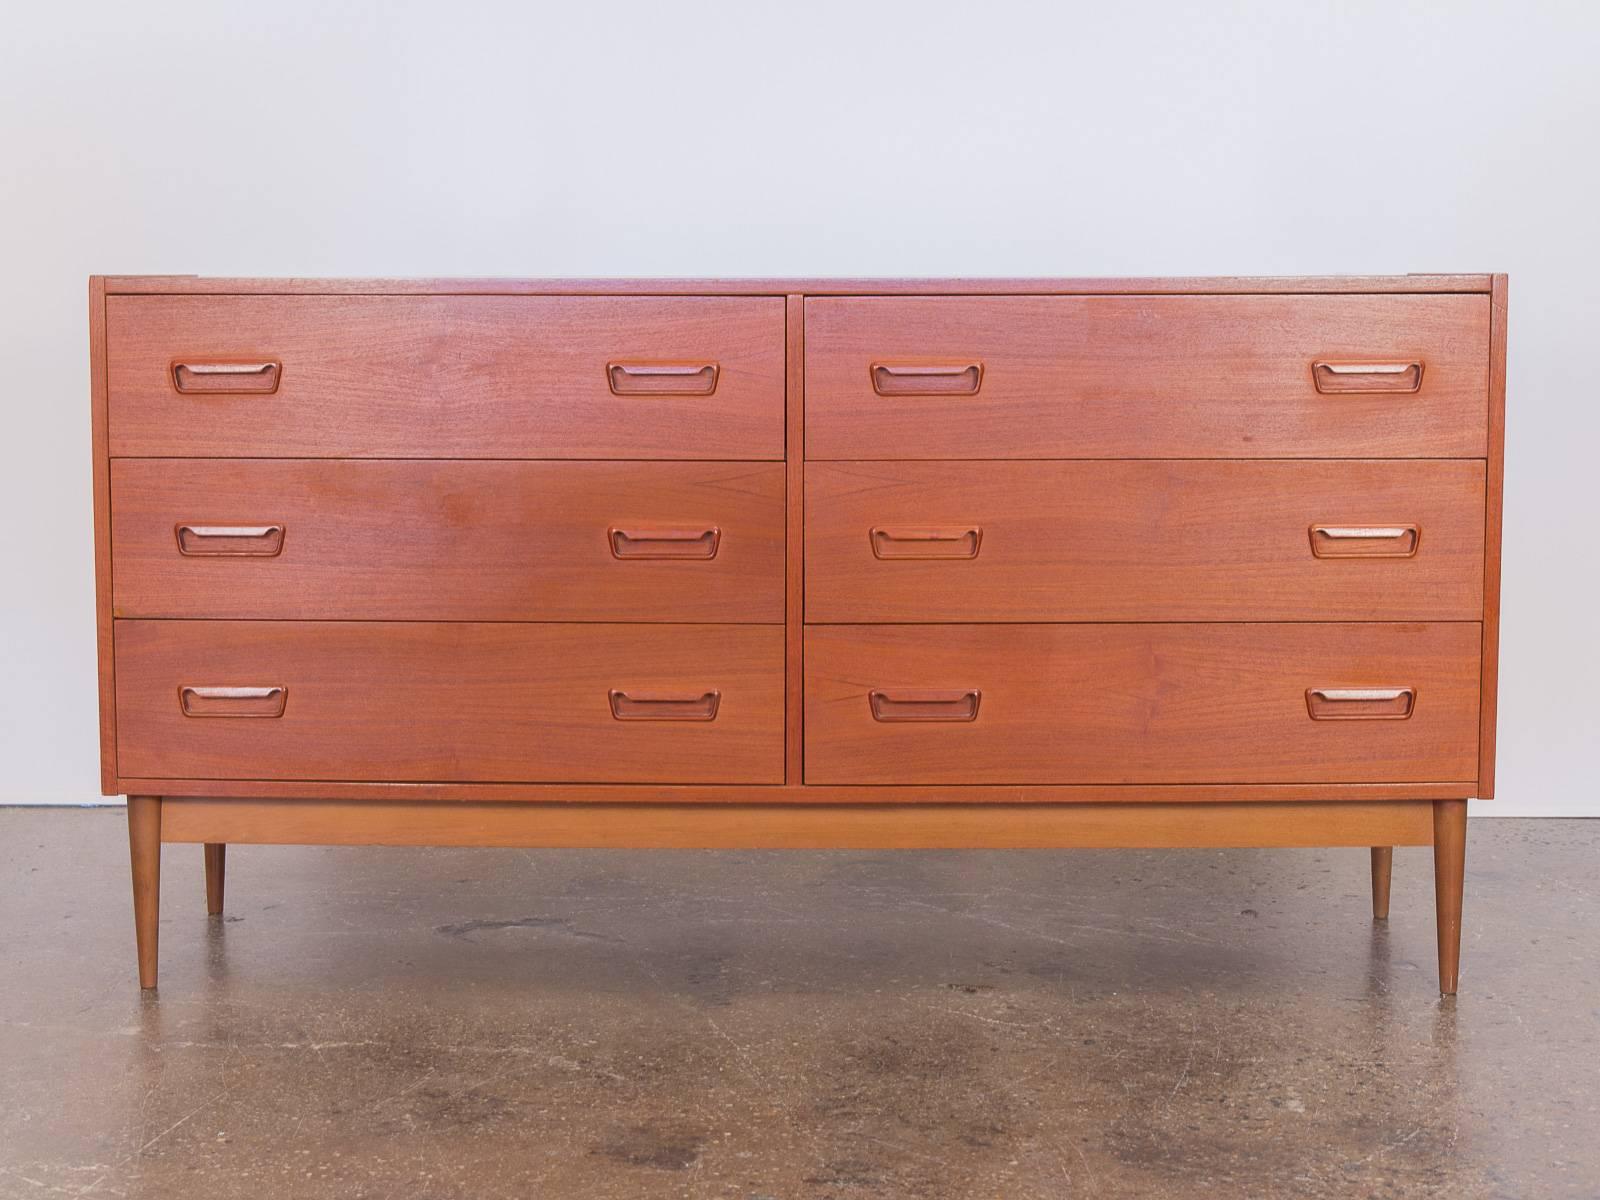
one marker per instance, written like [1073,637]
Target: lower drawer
[1167,703]
[411,701]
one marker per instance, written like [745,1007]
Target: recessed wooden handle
[227,378]
[662,379]
[233,701]
[665,543]
[1365,541]
[960,541]
[1360,704]
[924,704]
[656,706]
[927,379]
[237,541]
[1334,378]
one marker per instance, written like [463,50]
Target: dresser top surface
[1153,286]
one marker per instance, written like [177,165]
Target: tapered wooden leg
[216,865]
[1449,874]
[1382,868]
[144,852]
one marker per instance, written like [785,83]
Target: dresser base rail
[1380,825]
[732,826]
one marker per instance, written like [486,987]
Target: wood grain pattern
[203,285]
[796,826]
[1141,703]
[460,701]
[1143,541]
[144,857]
[447,377]
[794,558]
[1493,517]
[1147,377]
[101,474]
[1449,879]
[486,541]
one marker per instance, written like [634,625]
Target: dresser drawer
[1144,541]
[400,701]
[446,376]
[1147,377]
[1054,704]
[492,541]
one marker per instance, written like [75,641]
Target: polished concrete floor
[490,1023]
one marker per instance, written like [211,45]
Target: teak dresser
[799,563]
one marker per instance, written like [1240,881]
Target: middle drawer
[438,540]
[1144,541]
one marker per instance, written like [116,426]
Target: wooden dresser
[799,563]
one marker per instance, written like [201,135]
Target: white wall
[318,138]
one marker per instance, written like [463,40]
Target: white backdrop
[320,138]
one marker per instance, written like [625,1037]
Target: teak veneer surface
[447,376]
[1147,377]
[1140,703]
[452,541]
[1140,541]
[459,701]
[1492,517]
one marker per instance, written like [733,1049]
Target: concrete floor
[489,1023]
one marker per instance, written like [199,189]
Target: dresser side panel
[1493,521]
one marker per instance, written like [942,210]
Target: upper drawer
[1160,540]
[488,541]
[400,701]
[1147,377]
[445,376]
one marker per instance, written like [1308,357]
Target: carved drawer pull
[656,706]
[227,378]
[1360,704]
[924,704]
[233,701]
[1365,541]
[1351,378]
[927,379]
[664,543]
[956,542]
[241,541]
[662,379]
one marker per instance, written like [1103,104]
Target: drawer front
[401,701]
[446,376]
[1110,704]
[1147,377]
[1144,541]
[491,541]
